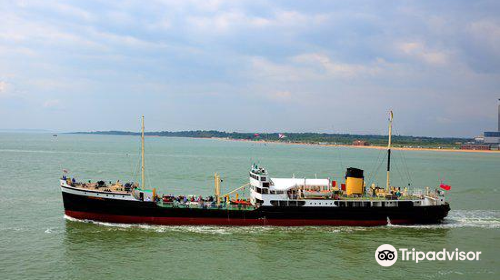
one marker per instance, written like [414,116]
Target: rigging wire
[410,181]
[148,182]
[383,160]
[399,172]
[130,167]
[151,167]
[341,161]
[406,170]
[372,174]
[138,169]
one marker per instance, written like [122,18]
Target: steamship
[272,201]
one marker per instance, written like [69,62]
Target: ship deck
[197,205]
[113,188]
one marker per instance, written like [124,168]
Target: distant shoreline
[403,143]
[354,146]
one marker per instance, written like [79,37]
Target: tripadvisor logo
[387,255]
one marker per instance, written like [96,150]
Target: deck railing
[205,205]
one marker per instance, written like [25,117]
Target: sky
[248,66]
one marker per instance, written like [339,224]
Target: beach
[358,147]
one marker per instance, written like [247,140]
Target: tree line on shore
[307,137]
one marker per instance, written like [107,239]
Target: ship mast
[389,152]
[143,184]
[217,188]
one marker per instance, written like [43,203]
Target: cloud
[280,96]
[482,45]
[233,20]
[332,68]
[284,52]
[444,120]
[262,68]
[422,53]
[52,104]
[37,35]
[69,10]
[315,66]
[3,88]
[486,33]
[7,90]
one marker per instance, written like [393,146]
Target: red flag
[445,187]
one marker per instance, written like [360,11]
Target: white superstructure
[267,191]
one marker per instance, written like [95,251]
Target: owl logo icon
[386,255]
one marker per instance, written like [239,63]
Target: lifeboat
[240,202]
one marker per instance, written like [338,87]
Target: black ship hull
[138,212]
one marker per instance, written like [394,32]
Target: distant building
[475,147]
[360,143]
[479,139]
[491,139]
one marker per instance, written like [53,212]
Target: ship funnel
[354,181]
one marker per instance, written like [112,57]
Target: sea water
[38,242]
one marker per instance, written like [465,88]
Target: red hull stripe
[175,221]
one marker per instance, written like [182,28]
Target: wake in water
[489,219]
[216,230]
[465,218]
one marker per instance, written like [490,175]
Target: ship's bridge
[263,189]
[258,176]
